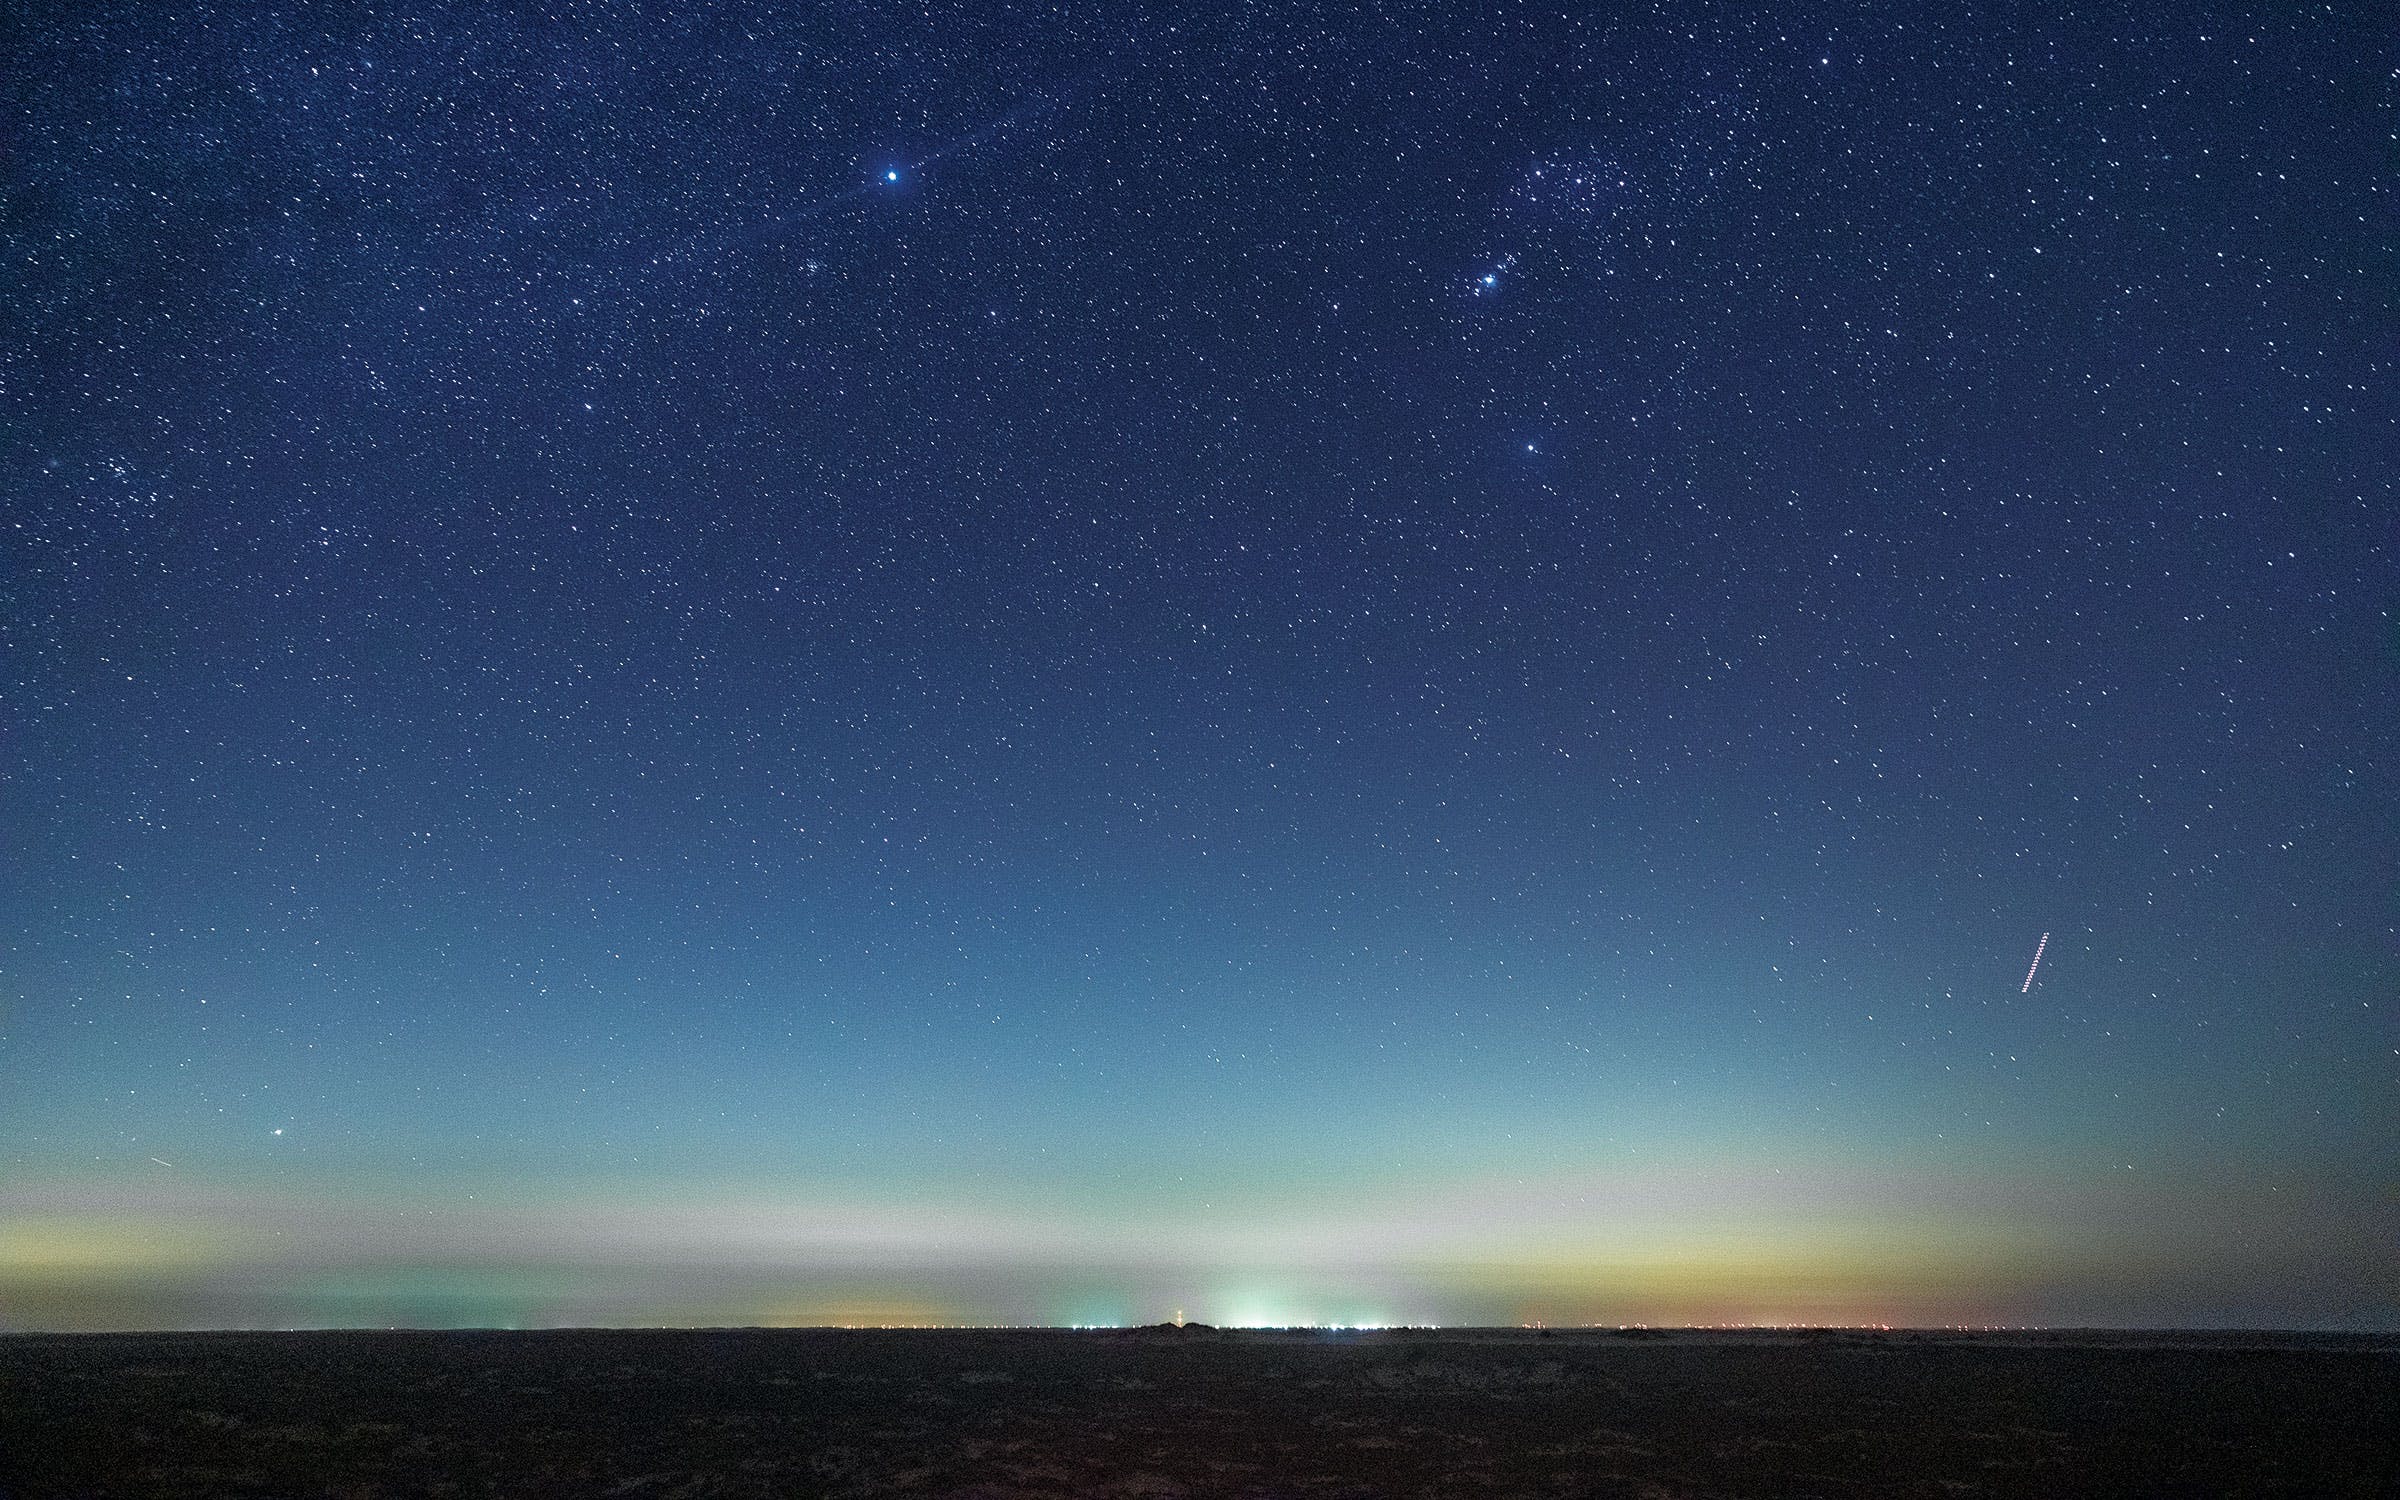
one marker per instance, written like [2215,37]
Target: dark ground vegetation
[1161,1413]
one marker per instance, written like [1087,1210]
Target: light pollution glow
[1040,698]
[1690,1246]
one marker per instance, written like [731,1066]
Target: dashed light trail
[2027,987]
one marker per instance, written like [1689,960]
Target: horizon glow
[1270,694]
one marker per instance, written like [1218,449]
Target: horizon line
[2152,1330]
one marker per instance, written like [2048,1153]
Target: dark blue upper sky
[1350,661]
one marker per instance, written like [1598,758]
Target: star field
[1025,664]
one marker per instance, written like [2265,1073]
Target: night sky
[1439,664]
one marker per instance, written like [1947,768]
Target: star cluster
[1428,662]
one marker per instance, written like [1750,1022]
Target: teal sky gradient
[1433,664]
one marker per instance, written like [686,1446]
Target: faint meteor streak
[2027,987]
[885,178]
[162,1163]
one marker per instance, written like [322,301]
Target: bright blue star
[891,174]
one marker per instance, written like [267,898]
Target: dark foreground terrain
[997,1415]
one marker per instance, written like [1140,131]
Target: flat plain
[1014,1415]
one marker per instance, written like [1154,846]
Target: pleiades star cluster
[1302,663]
